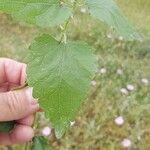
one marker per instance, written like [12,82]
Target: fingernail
[32,100]
[36,107]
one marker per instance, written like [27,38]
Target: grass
[95,128]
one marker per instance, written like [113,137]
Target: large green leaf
[60,75]
[109,12]
[40,143]
[44,13]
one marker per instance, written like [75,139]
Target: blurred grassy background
[120,64]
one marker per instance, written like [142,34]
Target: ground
[121,64]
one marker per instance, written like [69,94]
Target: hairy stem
[64,30]
[26,146]
[34,126]
[63,33]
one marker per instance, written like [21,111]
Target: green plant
[60,70]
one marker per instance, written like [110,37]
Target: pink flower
[124,91]
[46,131]
[119,120]
[126,143]
[130,87]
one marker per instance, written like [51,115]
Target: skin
[18,105]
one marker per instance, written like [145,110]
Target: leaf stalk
[65,27]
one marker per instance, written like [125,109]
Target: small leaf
[6,127]
[60,75]
[44,13]
[40,143]
[109,12]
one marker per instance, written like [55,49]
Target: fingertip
[21,134]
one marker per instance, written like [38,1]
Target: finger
[26,121]
[4,88]
[12,72]
[15,105]
[21,134]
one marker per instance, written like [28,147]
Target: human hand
[16,105]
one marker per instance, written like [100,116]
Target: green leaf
[40,143]
[6,127]
[44,13]
[60,75]
[110,13]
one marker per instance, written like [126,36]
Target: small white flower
[120,38]
[145,81]
[119,120]
[119,71]
[71,16]
[139,137]
[46,131]
[126,143]
[72,123]
[83,10]
[130,87]
[124,91]
[93,83]
[61,3]
[103,70]
[109,35]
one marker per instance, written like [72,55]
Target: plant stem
[35,121]
[64,30]
[26,146]
[63,33]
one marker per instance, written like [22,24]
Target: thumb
[16,105]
